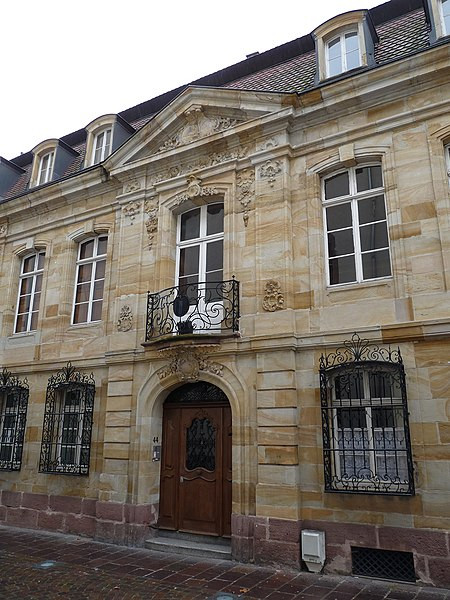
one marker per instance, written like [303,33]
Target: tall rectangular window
[66,436]
[366,441]
[46,168]
[13,411]
[102,146]
[357,242]
[30,286]
[90,280]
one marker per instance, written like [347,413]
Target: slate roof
[287,68]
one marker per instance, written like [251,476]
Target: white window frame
[352,198]
[214,308]
[94,259]
[203,240]
[445,32]
[33,294]
[343,52]
[104,148]
[46,163]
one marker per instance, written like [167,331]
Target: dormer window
[345,43]
[104,136]
[51,160]
[46,168]
[343,53]
[445,16]
[102,146]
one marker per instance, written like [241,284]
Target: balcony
[193,308]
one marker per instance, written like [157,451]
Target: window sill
[385,281]
[84,325]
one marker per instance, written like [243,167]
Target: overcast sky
[65,63]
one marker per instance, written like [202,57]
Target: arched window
[343,53]
[366,440]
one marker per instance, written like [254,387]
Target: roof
[402,29]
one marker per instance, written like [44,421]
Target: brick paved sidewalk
[43,566]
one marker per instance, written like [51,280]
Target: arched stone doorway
[195,488]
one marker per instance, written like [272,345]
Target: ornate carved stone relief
[269,170]
[132,186]
[151,221]
[273,298]
[268,143]
[245,182]
[131,209]
[187,363]
[194,190]
[203,162]
[125,320]
[3,229]
[198,125]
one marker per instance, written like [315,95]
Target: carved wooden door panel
[196,469]
[200,496]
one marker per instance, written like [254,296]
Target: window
[46,168]
[13,413]
[200,267]
[66,437]
[200,246]
[102,146]
[90,280]
[343,53]
[365,420]
[30,285]
[357,243]
[445,16]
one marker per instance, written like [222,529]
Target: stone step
[190,544]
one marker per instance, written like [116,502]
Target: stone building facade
[226,310]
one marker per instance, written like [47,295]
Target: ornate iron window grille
[192,308]
[365,427]
[13,414]
[66,435]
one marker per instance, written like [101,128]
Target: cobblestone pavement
[46,566]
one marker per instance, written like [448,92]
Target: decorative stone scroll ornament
[131,209]
[269,170]
[151,222]
[194,190]
[197,126]
[273,298]
[125,320]
[3,229]
[132,186]
[245,182]
[187,363]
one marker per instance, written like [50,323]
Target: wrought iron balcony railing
[192,308]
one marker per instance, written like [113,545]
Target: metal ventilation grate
[384,564]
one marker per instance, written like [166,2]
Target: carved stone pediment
[187,363]
[196,125]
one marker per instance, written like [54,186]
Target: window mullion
[357,241]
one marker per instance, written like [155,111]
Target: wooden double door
[195,488]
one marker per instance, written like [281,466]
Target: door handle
[181,478]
